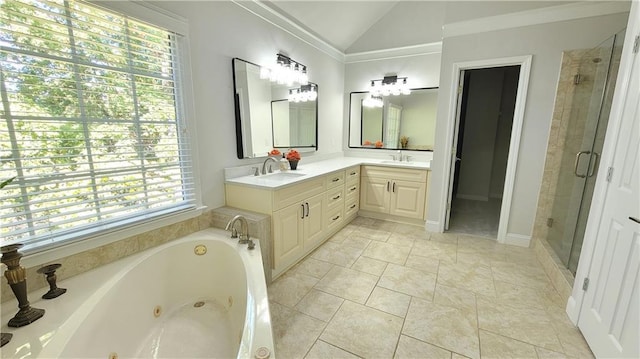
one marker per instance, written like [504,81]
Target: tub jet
[198,304]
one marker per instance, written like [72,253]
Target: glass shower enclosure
[587,104]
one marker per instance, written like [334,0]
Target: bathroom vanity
[310,205]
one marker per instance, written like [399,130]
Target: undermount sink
[283,175]
[398,162]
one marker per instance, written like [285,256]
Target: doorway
[482,148]
[450,149]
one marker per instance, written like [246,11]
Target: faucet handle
[393,157]
[256,171]
[270,169]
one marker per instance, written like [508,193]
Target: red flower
[293,155]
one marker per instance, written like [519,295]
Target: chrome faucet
[244,230]
[264,165]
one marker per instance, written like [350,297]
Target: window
[92,121]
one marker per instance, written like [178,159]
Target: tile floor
[479,218]
[385,290]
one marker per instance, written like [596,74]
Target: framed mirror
[404,122]
[266,119]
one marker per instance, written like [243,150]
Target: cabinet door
[408,198]
[288,233]
[374,194]
[313,221]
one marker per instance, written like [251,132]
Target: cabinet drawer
[352,173]
[351,207]
[352,190]
[404,174]
[334,219]
[335,197]
[335,179]
[296,193]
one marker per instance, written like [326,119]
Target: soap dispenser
[284,164]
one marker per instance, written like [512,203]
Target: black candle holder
[6,337]
[17,277]
[50,272]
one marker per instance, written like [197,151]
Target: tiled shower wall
[259,227]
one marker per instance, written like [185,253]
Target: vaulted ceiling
[367,25]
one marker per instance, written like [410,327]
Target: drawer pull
[335,179]
[353,173]
[335,218]
[352,206]
[353,188]
[336,197]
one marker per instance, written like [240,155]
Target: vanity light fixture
[304,93]
[390,85]
[373,101]
[286,72]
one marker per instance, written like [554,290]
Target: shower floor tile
[387,290]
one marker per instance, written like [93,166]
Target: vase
[293,164]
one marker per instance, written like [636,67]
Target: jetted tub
[203,295]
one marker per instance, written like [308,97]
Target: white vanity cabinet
[400,193]
[303,215]
[352,193]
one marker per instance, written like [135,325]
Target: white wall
[546,43]
[220,31]
[421,70]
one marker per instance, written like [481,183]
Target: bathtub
[199,296]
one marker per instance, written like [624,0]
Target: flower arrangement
[379,144]
[404,141]
[366,143]
[293,155]
[274,152]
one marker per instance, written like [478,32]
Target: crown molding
[271,16]
[394,53]
[544,15]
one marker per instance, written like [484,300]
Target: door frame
[514,144]
[575,302]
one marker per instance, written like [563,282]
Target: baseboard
[472,197]
[392,218]
[433,226]
[572,310]
[517,240]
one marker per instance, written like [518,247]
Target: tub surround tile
[450,328]
[389,301]
[294,333]
[348,284]
[408,281]
[410,348]
[496,346]
[324,350]
[319,305]
[364,331]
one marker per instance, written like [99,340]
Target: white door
[454,154]
[610,316]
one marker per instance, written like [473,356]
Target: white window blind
[92,121]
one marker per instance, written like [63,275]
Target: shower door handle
[575,167]
[592,169]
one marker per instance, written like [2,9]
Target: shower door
[594,83]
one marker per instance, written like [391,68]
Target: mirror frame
[238,120]
[378,148]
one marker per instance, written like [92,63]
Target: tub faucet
[264,165]
[244,229]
